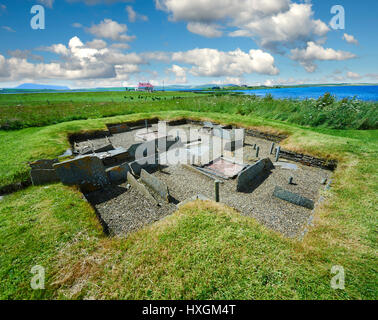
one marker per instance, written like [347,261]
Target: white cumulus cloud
[110,29]
[349,38]
[314,52]
[213,63]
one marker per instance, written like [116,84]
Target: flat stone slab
[225,168]
[88,172]
[251,173]
[155,184]
[113,156]
[293,198]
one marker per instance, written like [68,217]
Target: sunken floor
[125,209]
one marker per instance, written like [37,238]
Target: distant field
[19,111]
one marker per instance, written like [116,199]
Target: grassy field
[203,251]
[19,111]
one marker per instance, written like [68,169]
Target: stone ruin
[135,173]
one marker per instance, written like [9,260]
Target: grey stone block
[148,164]
[293,198]
[251,173]
[155,184]
[43,176]
[139,187]
[43,164]
[87,172]
[114,156]
[118,174]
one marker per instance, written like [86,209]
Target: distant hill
[35,86]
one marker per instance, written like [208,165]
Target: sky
[113,43]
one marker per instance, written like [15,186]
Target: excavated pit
[125,209]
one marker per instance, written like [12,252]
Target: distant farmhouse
[145,86]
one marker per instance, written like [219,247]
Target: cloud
[47,3]
[214,63]
[272,23]
[133,16]
[350,39]
[3,8]
[353,75]
[206,30]
[9,29]
[77,25]
[96,44]
[314,52]
[110,29]
[24,54]
[78,61]
[179,72]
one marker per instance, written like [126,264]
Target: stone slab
[148,164]
[118,174]
[88,172]
[138,186]
[293,198]
[115,156]
[43,164]
[251,173]
[155,184]
[43,176]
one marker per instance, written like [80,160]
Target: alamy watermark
[38,20]
[37,282]
[338,281]
[338,20]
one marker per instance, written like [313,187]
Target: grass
[19,111]
[203,251]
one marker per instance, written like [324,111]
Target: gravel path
[126,210]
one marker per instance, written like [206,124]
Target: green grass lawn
[203,251]
[19,111]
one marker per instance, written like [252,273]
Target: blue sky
[92,43]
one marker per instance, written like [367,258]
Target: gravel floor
[259,203]
[126,210]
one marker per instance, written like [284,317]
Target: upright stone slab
[139,187]
[44,164]
[293,198]
[87,172]
[118,174]
[43,176]
[155,184]
[251,173]
[148,163]
[42,172]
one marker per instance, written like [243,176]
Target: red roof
[145,85]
